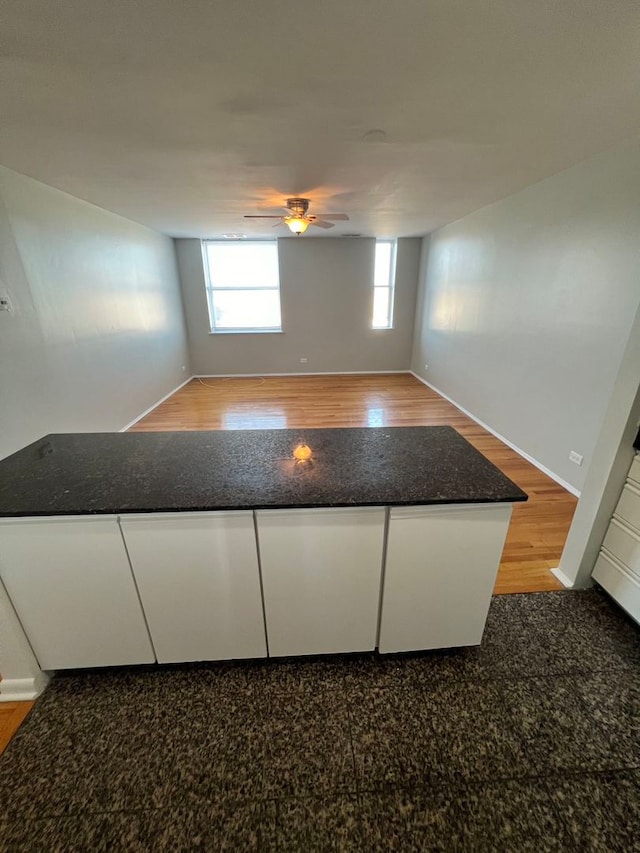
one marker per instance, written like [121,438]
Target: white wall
[97,332]
[326,295]
[525,307]
[612,458]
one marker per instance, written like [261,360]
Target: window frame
[210,289]
[390,285]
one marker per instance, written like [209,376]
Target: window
[384,275]
[243,286]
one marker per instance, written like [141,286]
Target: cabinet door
[71,585]
[321,575]
[440,571]
[199,584]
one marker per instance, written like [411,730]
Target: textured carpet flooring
[529,742]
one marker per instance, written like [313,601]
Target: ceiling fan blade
[278,224]
[321,223]
[260,216]
[342,217]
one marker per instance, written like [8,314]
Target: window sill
[247,332]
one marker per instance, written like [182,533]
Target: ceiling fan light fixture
[297,219]
[297,224]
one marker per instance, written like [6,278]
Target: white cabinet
[71,585]
[440,571]
[617,568]
[199,584]
[321,575]
[622,584]
[623,542]
[102,591]
[628,508]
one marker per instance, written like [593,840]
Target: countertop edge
[256,507]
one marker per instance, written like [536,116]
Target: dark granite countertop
[92,473]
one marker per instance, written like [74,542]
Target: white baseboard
[22,689]
[155,405]
[539,465]
[303,373]
[564,580]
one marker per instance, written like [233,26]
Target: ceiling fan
[298,220]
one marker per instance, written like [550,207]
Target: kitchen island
[125,548]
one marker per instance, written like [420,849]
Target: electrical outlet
[426,367]
[303,360]
[575,457]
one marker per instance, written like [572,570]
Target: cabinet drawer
[628,508]
[619,583]
[634,473]
[624,544]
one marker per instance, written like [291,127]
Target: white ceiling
[185,114]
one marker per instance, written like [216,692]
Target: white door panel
[71,585]
[321,574]
[440,571]
[199,583]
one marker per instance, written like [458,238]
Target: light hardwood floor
[11,716]
[538,528]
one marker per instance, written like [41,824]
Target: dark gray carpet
[529,742]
